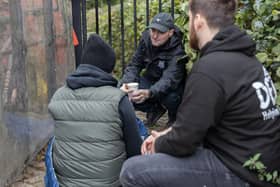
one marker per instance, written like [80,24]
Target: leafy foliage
[256,165]
[261,19]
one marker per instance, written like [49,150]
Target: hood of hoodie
[88,75]
[231,39]
[173,42]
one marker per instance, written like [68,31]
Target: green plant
[257,166]
[261,19]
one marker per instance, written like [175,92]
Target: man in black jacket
[162,57]
[228,114]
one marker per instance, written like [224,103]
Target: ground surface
[33,175]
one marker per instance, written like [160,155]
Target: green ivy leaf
[268,177]
[278,72]
[262,57]
[276,49]
[272,38]
[259,166]
[257,25]
[277,5]
[247,163]
[275,12]
[278,180]
[275,174]
[261,177]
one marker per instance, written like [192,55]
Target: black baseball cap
[162,22]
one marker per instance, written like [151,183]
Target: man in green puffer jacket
[95,124]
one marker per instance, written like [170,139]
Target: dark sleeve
[172,76]
[132,71]
[131,134]
[201,108]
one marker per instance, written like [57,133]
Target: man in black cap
[162,56]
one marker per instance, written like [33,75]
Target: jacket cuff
[152,93]
[158,145]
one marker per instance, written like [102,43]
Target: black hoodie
[163,67]
[229,107]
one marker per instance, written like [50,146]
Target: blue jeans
[203,169]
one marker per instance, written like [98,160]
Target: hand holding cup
[129,88]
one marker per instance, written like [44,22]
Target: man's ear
[199,22]
[171,32]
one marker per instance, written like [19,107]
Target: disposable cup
[132,86]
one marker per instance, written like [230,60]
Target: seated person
[95,124]
[162,57]
[228,114]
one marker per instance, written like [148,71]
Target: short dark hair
[218,13]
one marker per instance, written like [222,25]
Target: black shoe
[154,115]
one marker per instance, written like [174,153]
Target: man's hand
[139,96]
[124,88]
[148,146]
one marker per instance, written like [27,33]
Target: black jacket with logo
[229,106]
[164,66]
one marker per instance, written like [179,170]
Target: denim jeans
[203,169]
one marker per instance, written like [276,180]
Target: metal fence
[79,11]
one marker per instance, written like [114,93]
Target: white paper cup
[132,86]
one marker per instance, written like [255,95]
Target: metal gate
[79,11]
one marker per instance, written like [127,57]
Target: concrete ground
[33,175]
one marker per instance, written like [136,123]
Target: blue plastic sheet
[50,177]
[142,129]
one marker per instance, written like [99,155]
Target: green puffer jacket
[88,148]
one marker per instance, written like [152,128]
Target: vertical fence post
[147,13]
[172,8]
[122,37]
[96,17]
[135,23]
[159,5]
[84,22]
[76,16]
[109,22]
